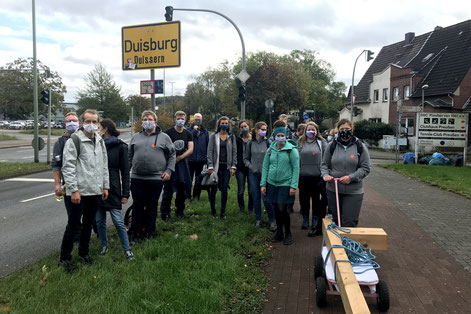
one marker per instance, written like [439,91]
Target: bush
[372,132]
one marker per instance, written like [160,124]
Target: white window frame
[395,93]
[385,94]
[406,94]
[376,95]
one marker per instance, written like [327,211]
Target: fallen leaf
[43,280]
[94,276]
[194,237]
[44,269]
[409,204]
[4,218]
[5,307]
[281,283]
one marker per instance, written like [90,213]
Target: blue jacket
[200,142]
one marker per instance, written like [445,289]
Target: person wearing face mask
[333,134]
[197,159]
[253,160]
[71,125]
[85,172]
[242,171]
[180,180]
[118,169]
[222,159]
[299,131]
[152,160]
[311,146]
[280,174]
[346,160]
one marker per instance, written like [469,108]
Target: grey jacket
[213,151]
[310,158]
[253,156]
[88,172]
[149,158]
[345,162]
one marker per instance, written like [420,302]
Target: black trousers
[350,206]
[282,218]
[169,188]
[85,211]
[195,170]
[311,188]
[145,195]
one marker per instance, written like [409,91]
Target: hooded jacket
[254,155]
[213,151]
[150,155]
[118,168]
[344,162]
[280,167]
[200,144]
[88,172]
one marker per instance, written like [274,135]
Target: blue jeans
[241,177]
[118,222]
[254,187]
[224,175]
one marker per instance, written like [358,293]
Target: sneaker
[258,224]
[272,226]
[312,232]
[86,260]
[104,250]
[278,237]
[214,215]
[288,239]
[68,266]
[223,216]
[129,255]
[305,224]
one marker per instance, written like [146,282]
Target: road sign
[150,46]
[147,87]
[269,103]
[306,116]
[159,86]
[243,76]
[441,142]
[409,109]
[40,142]
[442,129]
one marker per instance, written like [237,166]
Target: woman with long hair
[118,169]
[242,172]
[311,146]
[347,161]
[279,181]
[253,159]
[222,159]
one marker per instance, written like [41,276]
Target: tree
[139,103]
[102,93]
[16,92]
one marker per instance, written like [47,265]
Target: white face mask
[90,128]
[71,126]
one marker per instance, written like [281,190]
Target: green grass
[455,179]
[14,169]
[5,137]
[220,272]
[55,132]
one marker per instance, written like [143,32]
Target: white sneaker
[272,226]
[129,254]
[258,224]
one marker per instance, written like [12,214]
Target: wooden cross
[350,292]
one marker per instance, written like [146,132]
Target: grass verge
[455,179]
[195,265]
[54,132]
[15,169]
[5,137]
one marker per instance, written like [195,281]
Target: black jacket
[240,154]
[118,167]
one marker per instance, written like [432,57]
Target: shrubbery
[372,132]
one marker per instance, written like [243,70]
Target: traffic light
[357,111]
[369,55]
[242,93]
[45,98]
[169,13]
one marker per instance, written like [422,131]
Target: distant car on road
[16,125]
[4,124]
[129,124]
[58,125]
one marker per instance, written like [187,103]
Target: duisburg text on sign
[151,46]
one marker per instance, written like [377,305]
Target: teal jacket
[281,168]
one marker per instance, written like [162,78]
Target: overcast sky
[73,36]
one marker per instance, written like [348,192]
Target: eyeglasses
[90,121]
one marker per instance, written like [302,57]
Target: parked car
[16,125]
[4,124]
[129,124]
[58,125]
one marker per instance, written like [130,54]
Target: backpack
[359,148]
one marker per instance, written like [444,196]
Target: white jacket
[87,173]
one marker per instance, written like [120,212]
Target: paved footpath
[426,266]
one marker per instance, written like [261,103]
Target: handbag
[208,179]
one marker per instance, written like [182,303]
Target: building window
[385,94]
[375,120]
[406,91]
[395,93]
[376,95]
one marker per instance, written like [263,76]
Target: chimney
[408,38]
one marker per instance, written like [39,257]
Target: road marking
[29,180]
[38,197]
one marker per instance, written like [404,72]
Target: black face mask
[345,136]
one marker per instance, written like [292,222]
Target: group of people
[100,171]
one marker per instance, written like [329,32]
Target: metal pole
[353,86]
[48,159]
[398,124]
[35,90]
[173,102]
[163,87]
[465,151]
[417,117]
[242,103]
[152,96]
[132,121]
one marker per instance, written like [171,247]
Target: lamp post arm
[353,86]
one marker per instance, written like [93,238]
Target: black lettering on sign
[150,45]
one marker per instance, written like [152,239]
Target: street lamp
[369,56]
[421,107]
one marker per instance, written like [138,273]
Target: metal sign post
[48,159]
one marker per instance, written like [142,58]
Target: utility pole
[35,90]
[398,125]
[369,56]
[417,117]
[173,101]
[243,75]
[152,96]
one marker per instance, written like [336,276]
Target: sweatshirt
[310,158]
[149,158]
[281,168]
[344,162]
[254,155]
